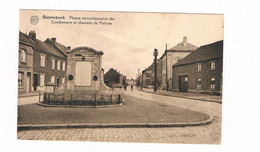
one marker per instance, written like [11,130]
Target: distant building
[201,70]
[25,64]
[113,78]
[148,77]
[170,57]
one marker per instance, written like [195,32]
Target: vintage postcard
[120,76]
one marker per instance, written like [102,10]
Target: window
[58,65]
[53,79]
[63,66]
[23,55]
[198,83]
[212,65]
[42,79]
[20,79]
[63,80]
[52,63]
[212,84]
[199,67]
[186,79]
[43,60]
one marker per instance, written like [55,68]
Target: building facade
[170,57]
[148,77]
[47,64]
[25,64]
[200,71]
[114,78]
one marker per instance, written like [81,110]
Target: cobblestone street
[207,134]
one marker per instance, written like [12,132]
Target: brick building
[49,66]
[201,70]
[25,64]
[170,57]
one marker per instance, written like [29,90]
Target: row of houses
[186,67]
[42,64]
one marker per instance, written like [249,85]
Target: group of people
[125,86]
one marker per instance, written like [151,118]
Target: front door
[183,83]
[35,82]
[58,81]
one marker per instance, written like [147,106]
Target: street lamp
[155,54]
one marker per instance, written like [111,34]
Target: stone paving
[207,134]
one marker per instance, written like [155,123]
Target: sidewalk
[30,94]
[187,95]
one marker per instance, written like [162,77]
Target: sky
[128,41]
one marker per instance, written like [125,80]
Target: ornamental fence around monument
[92,99]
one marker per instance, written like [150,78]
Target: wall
[205,74]
[26,68]
[47,70]
[172,58]
[95,60]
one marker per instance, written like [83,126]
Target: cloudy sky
[129,42]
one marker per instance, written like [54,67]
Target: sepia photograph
[131,77]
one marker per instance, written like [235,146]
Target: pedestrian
[125,87]
[131,87]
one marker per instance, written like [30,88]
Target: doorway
[35,81]
[183,83]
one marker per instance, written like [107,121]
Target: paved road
[208,134]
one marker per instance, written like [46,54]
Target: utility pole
[155,53]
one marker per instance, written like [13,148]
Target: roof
[183,47]
[47,48]
[86,48]
[25,38]
[59,46]
[39,45]
[112,70]
[203,53]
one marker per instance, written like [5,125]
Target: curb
[75,106]
[220,102]
[115,125]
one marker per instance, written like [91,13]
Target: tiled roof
[203,53]
[25,38]
[59,46]
[46,47]
[39,44]
[183,47]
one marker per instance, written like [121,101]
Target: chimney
[32,35]
[53,40]
[185,40]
